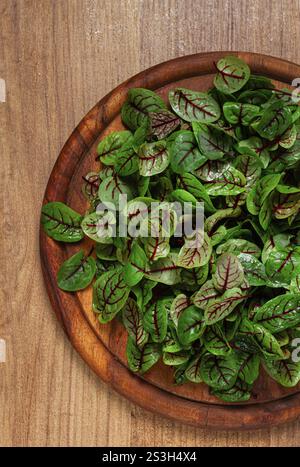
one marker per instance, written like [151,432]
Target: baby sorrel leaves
[61,222]
[232,74]
[135,112]
[229,273]
[77,272]
[153,158]
[218,301]
[194,106]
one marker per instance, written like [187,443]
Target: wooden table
[58,58]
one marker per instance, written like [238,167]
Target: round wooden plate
[103,346]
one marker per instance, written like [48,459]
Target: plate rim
[138,390]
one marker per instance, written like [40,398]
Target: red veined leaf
[195,252]
[156,319]
[205,295]
[190,325]
[153,158]
[162,123]
[133,322]
[142,359]
[194,106]
[178,305]
[223,306]
[279,313]
[90,185]
[110,146]
[232,74]
[229,272]
[110,294]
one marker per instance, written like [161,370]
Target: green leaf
[213,143]
[156,320]
[153,158]
[285,206]
[91,182]
[262,336]
[238,113]
[136,266]
[254,270]
[261,191]
[106,251]
[275,119]
[192,371]
[211,170]
[133,322]
[191,279]
[218,216]
[250,167]
[190,325]
[223,306]
[61,223]
[194,106]
[190,183]
[165,270]
[143,292]
[112,187]
[176,358]
[99,226]
[282,266]
[77,272]
[156,247]
[232,74]
[110,294]
[109,148]
[219,372]
[185,154]
[195,252]
[135,111]
[127,162]
[180,303]
[162,123]
[215,342]
[230,182]
[239,392]
[279,313]
[140,360]
[249,367]
[205,296]
[258,151]
[237,246]
[229,273]
[285,372]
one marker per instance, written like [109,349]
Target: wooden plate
[103,346]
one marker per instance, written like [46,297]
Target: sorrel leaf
[135,112]
[156,320]
[229,273]
[153,158]
[110,146]
[110,294]
[184,153]
[61,222]
[232,74]
[133,321]
[194,106]
[142,359]
[77,272]
[279,313]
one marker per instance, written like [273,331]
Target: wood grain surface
[57,59]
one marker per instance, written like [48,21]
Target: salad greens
[215,310]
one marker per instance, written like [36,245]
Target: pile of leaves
[218,312]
